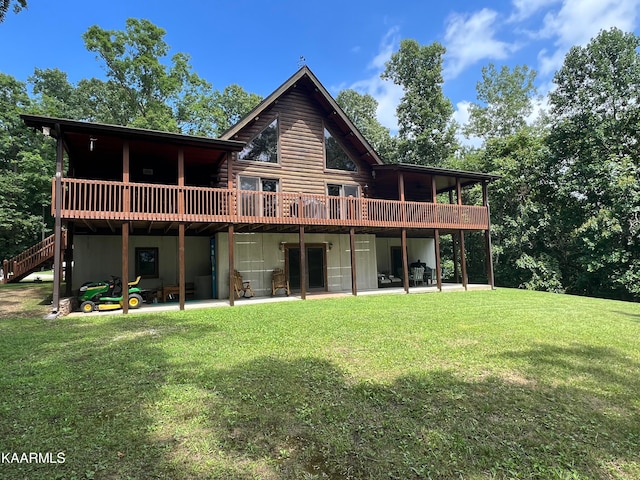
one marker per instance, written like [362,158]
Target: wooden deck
[118,201]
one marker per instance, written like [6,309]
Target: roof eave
[38,121]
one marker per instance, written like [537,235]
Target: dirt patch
[25,300]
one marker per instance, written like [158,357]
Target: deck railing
[104,200]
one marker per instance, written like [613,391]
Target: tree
[505,102]
[528,238]
[361,110]
[230,105]
[594,140]
[426,129]
[17,6]
[145,92]
[26,167]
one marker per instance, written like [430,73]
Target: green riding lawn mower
[107,295]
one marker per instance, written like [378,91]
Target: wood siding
[301,167]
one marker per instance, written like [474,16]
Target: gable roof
[304,78]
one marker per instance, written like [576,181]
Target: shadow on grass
[312,421]
[89,391]
[120,404]
[635,316]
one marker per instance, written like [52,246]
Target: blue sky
[258,44]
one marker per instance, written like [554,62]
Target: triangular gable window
[263,147]
[336,157]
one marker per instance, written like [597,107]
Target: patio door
[396,261]
[316,271]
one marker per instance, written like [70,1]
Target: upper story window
[263,147]
[336,157]
[263,202]
[334,190]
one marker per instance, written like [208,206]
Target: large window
[263,147]
[264,202]
[335,156]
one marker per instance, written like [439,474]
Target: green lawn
[475,385]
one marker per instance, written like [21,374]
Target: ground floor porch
[203,266]
[153,308]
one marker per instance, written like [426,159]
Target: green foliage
[426,129]
[230,105]
[527,232]
[17,6]
[594,142]
[153,95]
[26,168]
[361,110]
[505,102]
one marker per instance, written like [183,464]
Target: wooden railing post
[5,271]
[300,206]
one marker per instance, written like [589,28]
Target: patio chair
[242,286]
[417,276]
[279,282]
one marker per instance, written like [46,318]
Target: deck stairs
[18,267]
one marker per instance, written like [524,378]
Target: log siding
[301,166]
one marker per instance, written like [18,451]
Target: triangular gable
[326,101]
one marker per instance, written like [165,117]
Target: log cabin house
[294,185]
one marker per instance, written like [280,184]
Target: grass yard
[475,385]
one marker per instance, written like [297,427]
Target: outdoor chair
[429,274]
[240,286]
[417,276]
[279,282]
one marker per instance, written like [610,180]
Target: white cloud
[578,21]
[388,45]
[386,93]
[526,8]
[471,38]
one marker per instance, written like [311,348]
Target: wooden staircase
[18,267]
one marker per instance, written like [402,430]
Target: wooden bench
[174,290]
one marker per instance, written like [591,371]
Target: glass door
[316,272]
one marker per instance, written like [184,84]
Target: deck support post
[181,277]
[463,260]
[352,247]
[436,237]
[303,264]
[232,294]
[125,267]
[487,237]
[57,229]
[126,206]
[454,248]
[405,261]
[181,211]
[68,258]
